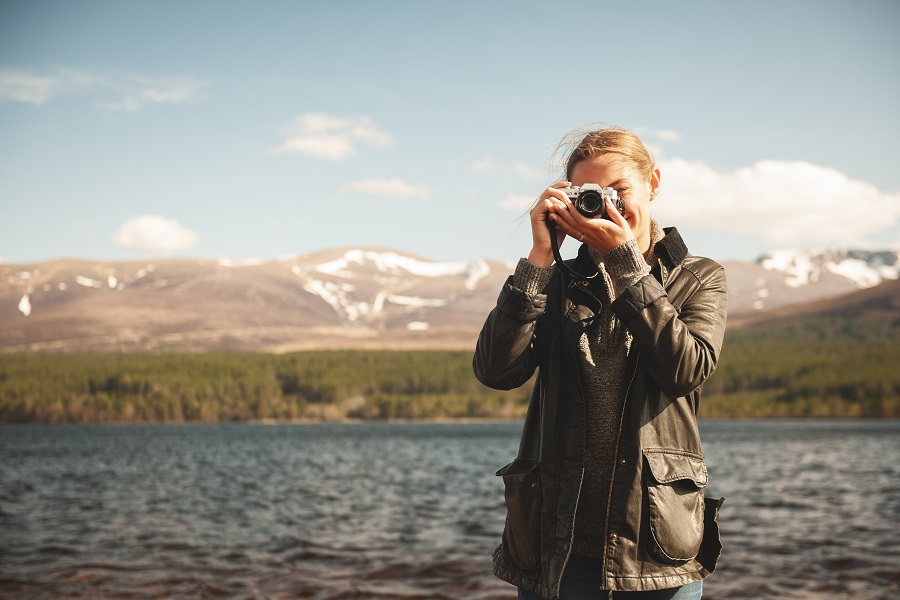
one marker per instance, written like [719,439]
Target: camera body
[590,199]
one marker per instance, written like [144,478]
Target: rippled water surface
[404,510]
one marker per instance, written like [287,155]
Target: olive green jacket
[662,532]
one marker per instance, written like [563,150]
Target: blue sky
[259,130]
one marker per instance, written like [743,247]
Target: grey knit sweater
[604,348]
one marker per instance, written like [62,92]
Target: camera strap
[554,244]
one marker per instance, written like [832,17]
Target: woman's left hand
[601,234]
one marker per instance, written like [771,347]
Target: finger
[571,216]
[614,215]
[564,226]
[557,194]
[542,207]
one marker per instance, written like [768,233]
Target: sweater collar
[657,234]
[671,249]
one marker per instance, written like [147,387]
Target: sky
[224,129]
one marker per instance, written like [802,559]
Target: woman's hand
[601,234]
[550,202]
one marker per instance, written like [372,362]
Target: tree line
[801,373]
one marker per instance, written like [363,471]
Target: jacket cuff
[530,278]
[626,264]
[519,306]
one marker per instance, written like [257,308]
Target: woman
[607,490]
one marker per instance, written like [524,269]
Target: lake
[405,510]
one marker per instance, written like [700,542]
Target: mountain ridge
[336,298]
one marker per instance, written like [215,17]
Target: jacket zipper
[612,483]
[663,277]
[578,495]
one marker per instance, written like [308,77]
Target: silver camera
[590,199]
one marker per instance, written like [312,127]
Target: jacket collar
[671,249]
[670,252]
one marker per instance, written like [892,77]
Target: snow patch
[243,262]
[798,267]
[418,326]
[140,274]
[416,302]
[858,271]
[477,270]
[112,282]
[87,282]
[391,263]
[25,305]
[863,267]
[337,296]
[19,278]
[337,268]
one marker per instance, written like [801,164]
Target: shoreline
[429,421]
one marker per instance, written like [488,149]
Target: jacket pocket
[675,482]
[522,492]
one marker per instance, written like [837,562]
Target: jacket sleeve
[504,355]
[679,348]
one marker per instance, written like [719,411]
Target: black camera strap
[554,244]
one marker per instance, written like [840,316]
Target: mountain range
[346,298]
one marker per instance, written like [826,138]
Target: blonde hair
[586,143]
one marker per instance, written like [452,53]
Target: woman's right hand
[552,200]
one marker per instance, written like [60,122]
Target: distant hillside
[336,299]
[833,358]
[869,314]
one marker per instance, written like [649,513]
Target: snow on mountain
[345,283]
[864,268]
[393,263]
[334,298]
[87,282]
[25,305]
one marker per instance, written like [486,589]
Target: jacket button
[623,461]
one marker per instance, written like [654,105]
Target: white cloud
[656,139]
[154,235]
[668,135]
[485,164]
[332,138]
[139,92]
[522,202]
[527,172]
[390,188]
[488,164]
[783,202]
[18,86]
[118,90]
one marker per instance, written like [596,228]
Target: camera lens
[590,203]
